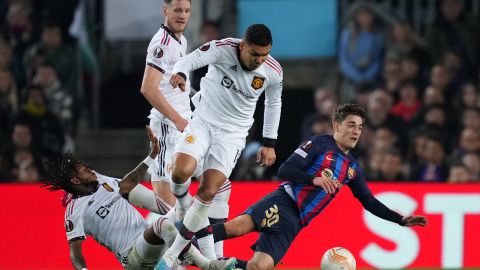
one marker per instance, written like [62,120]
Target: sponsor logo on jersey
[107,187]
[68,225]
[234,68]
[190,139]
[102,212]
[307,145]
[228,83]
[257,82]
[205,47]
[158,52]
[351,172]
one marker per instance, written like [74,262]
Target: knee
[207,192]
[180,174]
[256,264]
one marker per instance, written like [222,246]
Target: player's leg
[160,174]
[218,212]
[260,261]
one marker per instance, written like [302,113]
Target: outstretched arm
[145,198]
[76,255]
[131,179]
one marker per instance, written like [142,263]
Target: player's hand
[177,81]
[328,184]
[413,220]
[266,156]
[181,124]
[154,145]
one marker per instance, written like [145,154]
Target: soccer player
[240,70]
[171,107]
[314,174]
[99,208]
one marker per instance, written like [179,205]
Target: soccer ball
[338,258]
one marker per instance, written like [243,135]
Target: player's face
[348,132]
[253,55]
[85,178]
[177,15]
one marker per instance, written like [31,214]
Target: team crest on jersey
[190,139]
[107,187]
[158,52]
[306,145]
[68,225]
[205,47]
[257,82]
[327,172]
[351,172]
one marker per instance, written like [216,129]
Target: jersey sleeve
[295,169]
[273,107]
[362,192]
[207,54]
[158,56]
[73,222]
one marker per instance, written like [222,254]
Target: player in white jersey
[239,72]
[171,106]
[100,209]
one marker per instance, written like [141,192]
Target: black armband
[267,142]
[181,74]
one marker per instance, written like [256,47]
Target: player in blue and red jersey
[315,172]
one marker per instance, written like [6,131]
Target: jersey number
[271,216]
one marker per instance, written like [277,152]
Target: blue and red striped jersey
[320,156]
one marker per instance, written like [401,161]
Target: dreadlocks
[59,171]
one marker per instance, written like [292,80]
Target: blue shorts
[277,220]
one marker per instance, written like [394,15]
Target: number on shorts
[271,216]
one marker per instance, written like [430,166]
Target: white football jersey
[163,52]
[229,93]
[107,217]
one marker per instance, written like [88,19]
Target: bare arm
[149,89]
[131,179]
[76,255]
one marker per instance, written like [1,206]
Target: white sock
[218,247]
[219,210]
[195,219]
[184,199]
[165,229]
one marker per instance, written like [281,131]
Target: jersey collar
[164,27]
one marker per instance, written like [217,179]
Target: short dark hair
[344,110]
[169,2]
[258,34]
[59,171]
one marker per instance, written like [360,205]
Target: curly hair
[59,171]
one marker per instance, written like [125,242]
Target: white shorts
[168,137]
[218,148]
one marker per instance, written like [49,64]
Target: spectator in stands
[384,139]
[391,167]
[58,100]
[8,102]
[433,95]
[360,51]
[324,102]
[411,70]
[19,29]
[403,41]
[440,79]
[453,31]
[28,172]
[434,167]
[373,164]
[47,128]
[471,118]
[456,71]
[9,62]
[61,56]
[472,162]
[459,173]
[468,97]
[392,76]
[409,104]
[322,125]
[208,32]
[469,142]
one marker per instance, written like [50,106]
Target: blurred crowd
[39,79]
[420,92]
